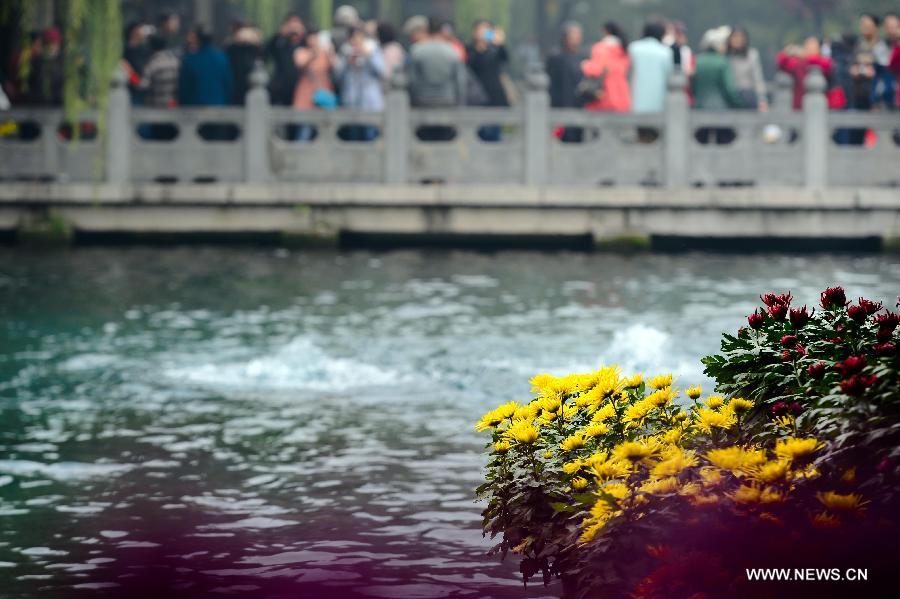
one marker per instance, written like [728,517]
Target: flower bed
[623,486]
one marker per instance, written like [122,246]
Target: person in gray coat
[747,70]
[437,78]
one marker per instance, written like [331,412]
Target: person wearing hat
[416,29]
[244,51]
[712,85]
[346,18]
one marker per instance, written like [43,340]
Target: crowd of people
[354,62]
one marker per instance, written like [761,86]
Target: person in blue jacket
[205,78]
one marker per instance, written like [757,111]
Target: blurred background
[532,25]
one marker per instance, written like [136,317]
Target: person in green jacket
[712,85]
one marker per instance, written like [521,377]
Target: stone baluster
[118,131]
[783,94]
[815,129]
[676,138]
[537,126]
[397,131]
[256,128]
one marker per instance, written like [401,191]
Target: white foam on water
[642,348]
[42,552]
[298,365]
[88,361]
[256,522]
[62,471]
[634,348]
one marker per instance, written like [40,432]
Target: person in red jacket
[609,62]
[892,37]
[796,62]
[894,67]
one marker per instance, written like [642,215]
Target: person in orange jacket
[609,62]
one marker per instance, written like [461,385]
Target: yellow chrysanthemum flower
[674,463]
[794,448]
[633,381]
[489,420]
[746,494]
[506,410]
[609,378]
[569,411]
[836,502]
[502,446]
[637,412]
[736,459]
[602,510]
[710,477]
[786,422]
[604,413]
[542,382]
[597,458]
[590,531]
[572,467]
[694,392]
[690,490]
[636,450]
[551,403]
[548,454]
[572,442]
[672,436]
[739,405]
[611,469]
[579,483]
[522,431]
[707,419]
[580,383]
[547,417]
[595,430]
[617,490]
[661,397]
[661,486]
[590,398]
[771,472]
[714,402]
[528,411]
[663,380]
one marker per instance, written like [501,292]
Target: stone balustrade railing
[261,143]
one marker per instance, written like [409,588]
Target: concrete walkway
[324,212]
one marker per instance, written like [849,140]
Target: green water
[265,422]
